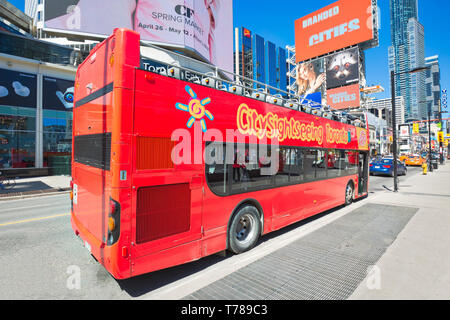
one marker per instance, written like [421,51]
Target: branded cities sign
[344,97]
[337,26]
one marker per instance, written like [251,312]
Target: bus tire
[349,193]
[244,230]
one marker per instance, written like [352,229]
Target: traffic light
[441,136]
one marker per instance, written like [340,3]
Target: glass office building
[262,61]
[406,53]
[433,86]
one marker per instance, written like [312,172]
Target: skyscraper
[433,86]
[406,53]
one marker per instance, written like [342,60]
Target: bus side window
[321,164]
[336,163]
[310,156]
[216,170]
[296,165]
[247,175]
[352,160]
[282,176]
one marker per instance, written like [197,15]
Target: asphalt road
[40,256]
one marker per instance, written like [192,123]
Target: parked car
[414,160]
[385,166]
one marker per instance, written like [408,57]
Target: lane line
[34,219]
[50,205]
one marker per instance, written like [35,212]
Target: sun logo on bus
[196,109]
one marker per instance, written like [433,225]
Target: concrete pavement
[417,264]
[31,187]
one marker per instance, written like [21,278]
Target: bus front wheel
[244,229]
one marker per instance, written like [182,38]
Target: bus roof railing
[219,77]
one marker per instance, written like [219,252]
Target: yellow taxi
[414,160]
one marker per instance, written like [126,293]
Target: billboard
[344,97]
[18,89]
[57,94]
[404,131]
[202,26]
[337,26]
[310,79]
[342,68]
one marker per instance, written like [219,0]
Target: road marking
[34,219]
[33,207]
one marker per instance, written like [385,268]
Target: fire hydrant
[425,168]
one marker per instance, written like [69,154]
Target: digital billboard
[203,26]
[57,94]
[342,68]
[310,79]
[344,97]
[18,89]
[337,26]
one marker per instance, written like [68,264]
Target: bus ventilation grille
[162,211]
[154,153]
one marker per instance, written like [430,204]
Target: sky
[274,20]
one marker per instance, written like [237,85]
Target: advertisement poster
[17,89]
[344,97]
[203,26]
[57,94]
[337,26]
[310,79]
[342,68]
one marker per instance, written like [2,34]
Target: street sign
[444,99]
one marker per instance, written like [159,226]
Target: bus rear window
[93,150]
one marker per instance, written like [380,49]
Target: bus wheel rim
[349,193]
[245,228]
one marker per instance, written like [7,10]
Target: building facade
[36,100]
[383,109]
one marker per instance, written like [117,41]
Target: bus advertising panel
[202,26]
[337,26]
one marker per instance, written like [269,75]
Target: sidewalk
[417,264]
[30,187]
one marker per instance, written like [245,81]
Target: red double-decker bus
[169,168]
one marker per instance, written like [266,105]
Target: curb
[33,194]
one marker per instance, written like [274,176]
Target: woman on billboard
[196,24]
[308,81]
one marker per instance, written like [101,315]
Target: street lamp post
[394,121]
[394,131]
[429,140]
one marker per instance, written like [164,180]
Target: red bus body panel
[142,105]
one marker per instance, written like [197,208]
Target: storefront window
[17,119]
[57,124]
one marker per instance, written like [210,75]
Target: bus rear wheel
[244,229]
[349,192]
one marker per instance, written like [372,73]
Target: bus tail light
[113,222]
[124,252]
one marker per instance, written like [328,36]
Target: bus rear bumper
[110,257]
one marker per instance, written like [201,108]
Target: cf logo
[184,11]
